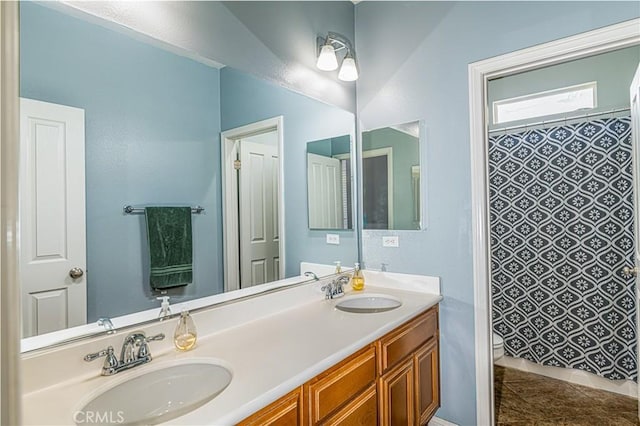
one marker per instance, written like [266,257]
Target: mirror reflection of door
[391,177]
[329,184]
[52,217]
[258,209]
[377,171]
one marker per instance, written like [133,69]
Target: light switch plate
[390,241]
[333,239]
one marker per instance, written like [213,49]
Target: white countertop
[268,356]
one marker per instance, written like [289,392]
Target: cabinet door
[427,385]
[362,411]
[287,411]
[397,395]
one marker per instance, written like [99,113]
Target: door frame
[590,43]
[10,331]
[384,152]
[230,223]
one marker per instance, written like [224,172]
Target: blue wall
[152,137]
[414,59]
[244,100]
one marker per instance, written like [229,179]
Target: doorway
[253,204]
[591,43]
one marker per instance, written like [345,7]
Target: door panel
[258,198]
[52,216]
[324,175]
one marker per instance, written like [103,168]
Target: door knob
[76,273]
[630,271]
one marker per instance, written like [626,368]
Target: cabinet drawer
[287,411]
[400,343]
[362,411]
[331,390]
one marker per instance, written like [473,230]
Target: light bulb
[327,60]
[349,70]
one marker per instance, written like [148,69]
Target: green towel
[170,246]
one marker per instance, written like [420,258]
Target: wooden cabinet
[397,395]
[392,382]
[409,364]
[332,389]
[287,411]
[427,382]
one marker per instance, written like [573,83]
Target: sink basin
[369,303]
[157,396]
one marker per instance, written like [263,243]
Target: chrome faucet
[311,275]
[134,352]
[336,287]
[107,324]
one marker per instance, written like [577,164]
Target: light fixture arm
[338,41]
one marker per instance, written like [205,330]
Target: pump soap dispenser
[357,280]
[165,309]
[185,335]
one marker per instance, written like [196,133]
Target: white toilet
[498,347]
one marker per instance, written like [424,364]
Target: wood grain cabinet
[391,382]
[334,388]
[409,363]
[287,411]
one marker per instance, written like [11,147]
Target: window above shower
[580,97]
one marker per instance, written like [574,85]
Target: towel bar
[137,210]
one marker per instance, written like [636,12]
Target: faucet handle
[144,347]
[110,362]
[159,336]
[104,352]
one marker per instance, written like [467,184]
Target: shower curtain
[561,212]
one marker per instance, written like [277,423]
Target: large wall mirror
[330,183]
[110,120]
[391,178]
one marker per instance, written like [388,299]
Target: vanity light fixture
[327,60]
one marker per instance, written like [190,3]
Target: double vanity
[286,357]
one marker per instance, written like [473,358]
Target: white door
[258,210]
[52,217]
[634,93]
[324,177]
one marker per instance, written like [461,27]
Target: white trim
[10,384]
[229,150]
[437,421]
[388,152]
[586,44]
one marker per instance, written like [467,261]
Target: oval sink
[157,396]
[369,303]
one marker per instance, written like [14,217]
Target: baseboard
[578,377]
[437,421]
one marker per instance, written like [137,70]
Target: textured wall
[272,40]
[152,130]
[245,100]
[414,57]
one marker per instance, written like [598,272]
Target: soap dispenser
[185,335]
[357,280]
[338,267]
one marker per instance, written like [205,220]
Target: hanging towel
[170,246]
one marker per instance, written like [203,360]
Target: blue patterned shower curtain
[561,211]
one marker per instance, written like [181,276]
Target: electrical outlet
[333,239]
[391,241]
